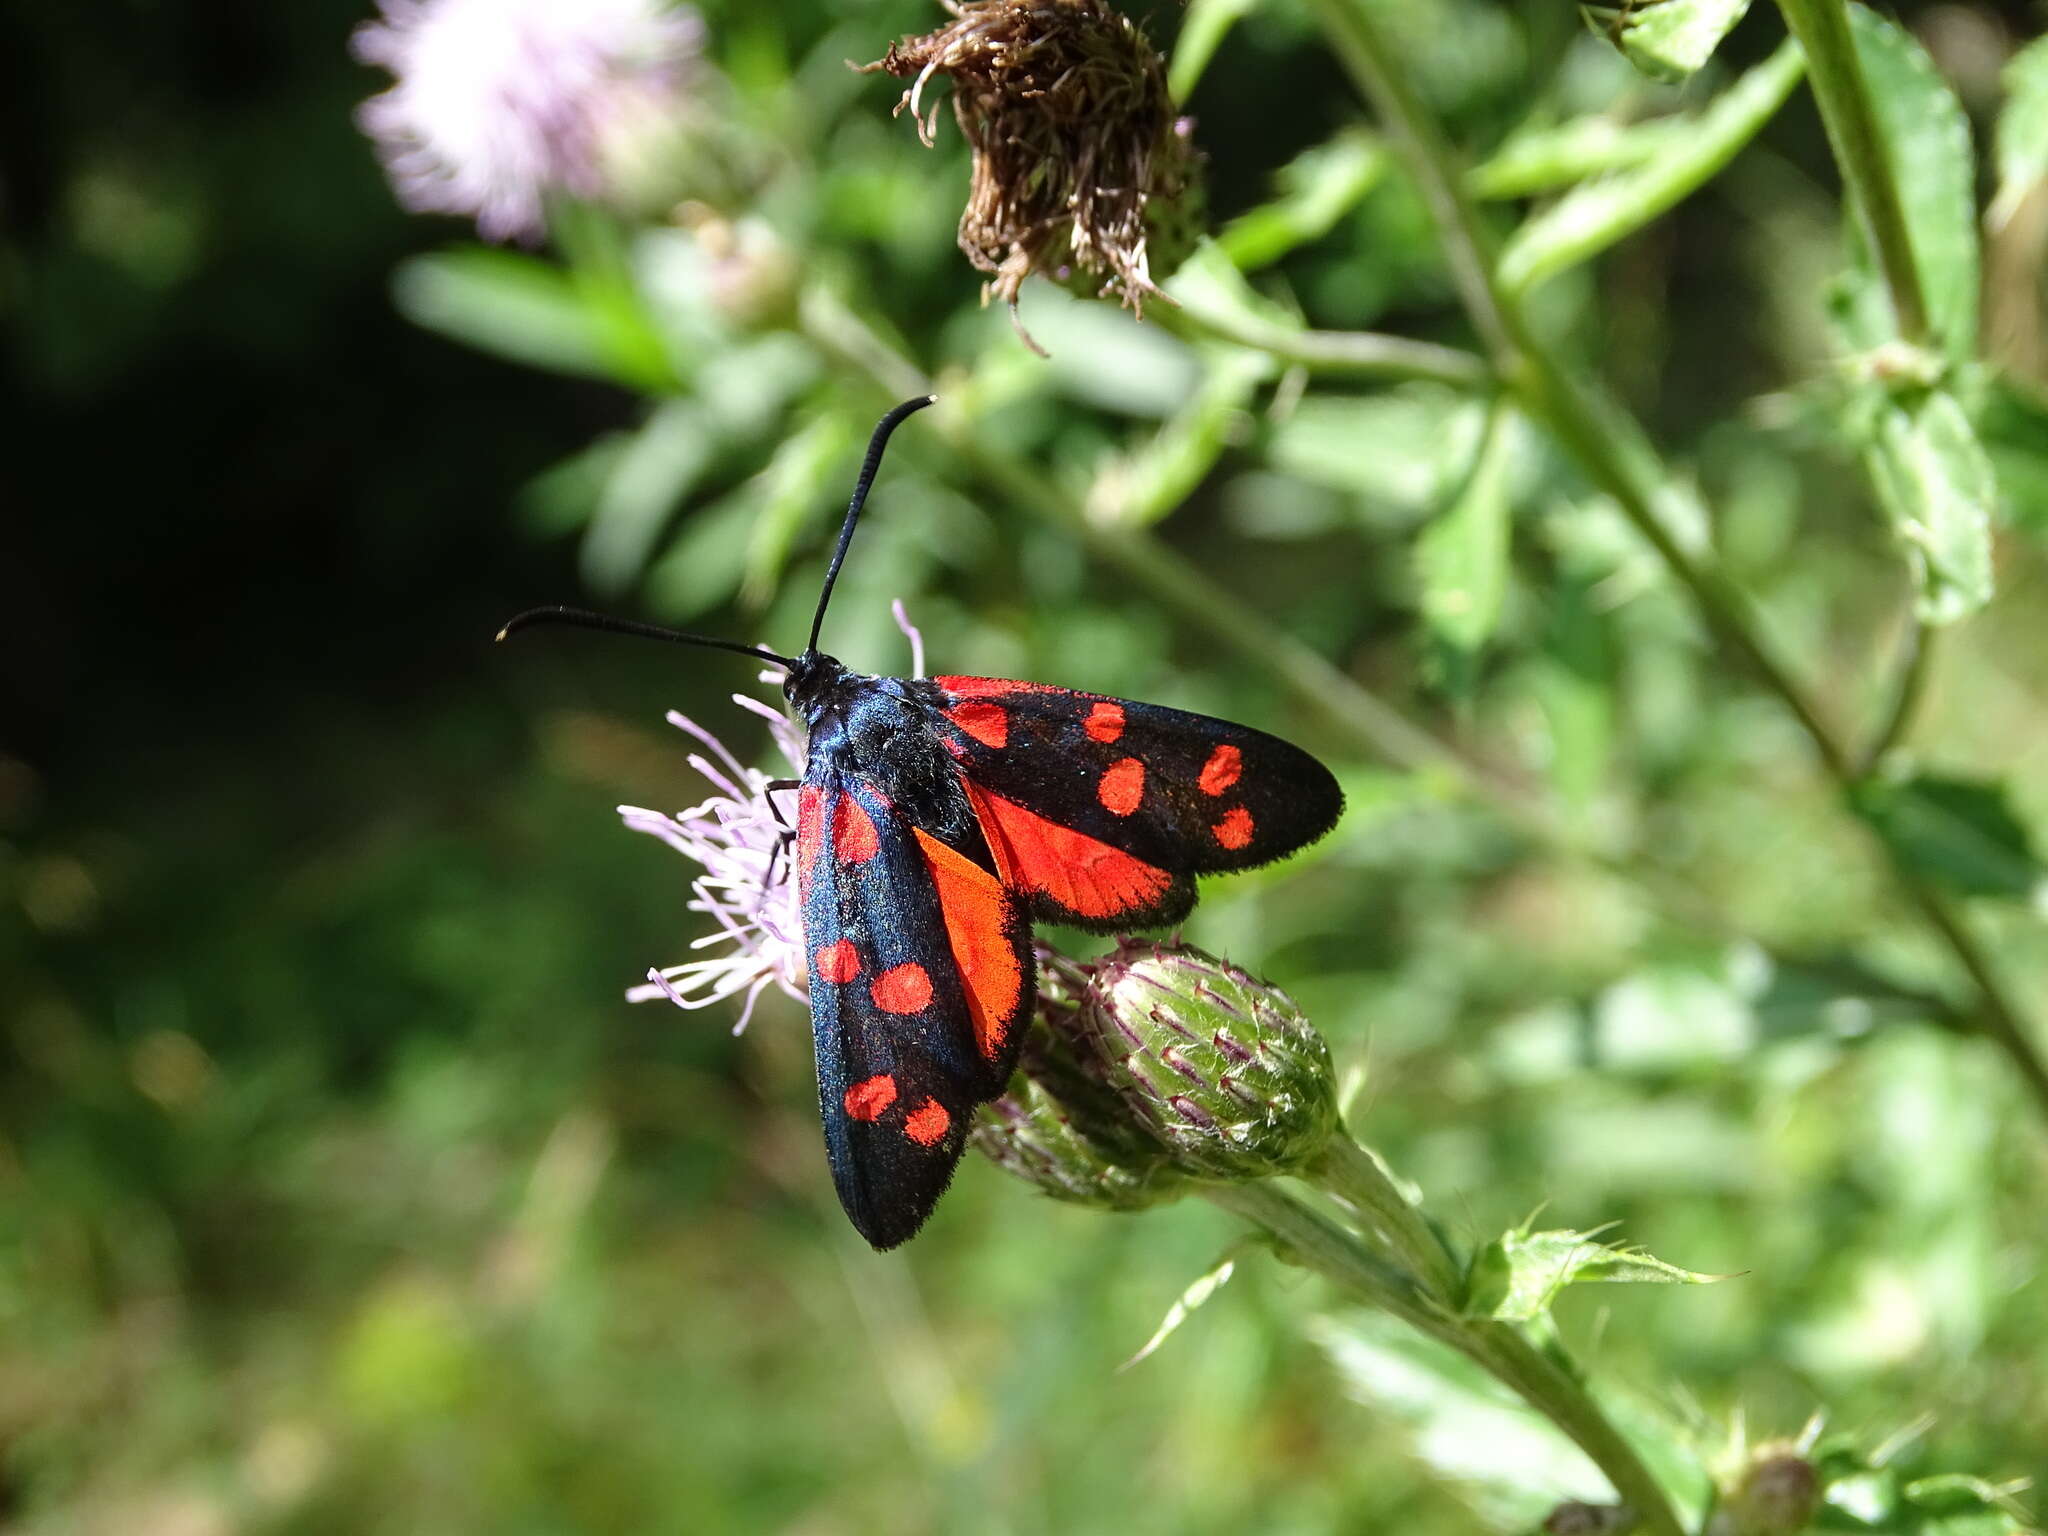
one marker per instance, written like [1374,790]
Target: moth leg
[788,833]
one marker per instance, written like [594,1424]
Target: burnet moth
[936,818]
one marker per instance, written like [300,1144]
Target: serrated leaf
[1927,140]
[1961,833]
[1594,216]
[1936,485]
[2020,146]
[1462,556]
[1666,39]
[1517,1276]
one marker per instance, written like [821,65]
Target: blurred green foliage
[340,1190]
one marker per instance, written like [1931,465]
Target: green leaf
[1593,217]
[1462,556]
[1204,1286]
[1147,483]
[1936,485]
[1514,1466]
[1517,1276]
[655,470]
[1665,39]
[1202,30]
[793,486]
[1544,159]
[507,303]
[1961,833]
[1399,451]
[1317,188]
[2021,143]
[1927,138]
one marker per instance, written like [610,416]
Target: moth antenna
[584,619]
[868,467]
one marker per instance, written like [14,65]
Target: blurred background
[340,1188]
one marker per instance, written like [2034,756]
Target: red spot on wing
[1122,787]
[866,1101]
[1235,829]
[838,963]
[987,723]
[853,831]
[978,917]
[1105,721]
[983,687]
[1086,876]
[1225,766]
[810,823]
[902,988]
[928,1123]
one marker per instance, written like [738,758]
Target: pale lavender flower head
[500,103]
[748,886]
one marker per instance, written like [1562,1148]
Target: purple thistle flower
[748,885]
[500,103]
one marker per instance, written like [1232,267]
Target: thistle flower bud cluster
[1156,1065]
[1081,168]
[1223,1069]
[1061,1126]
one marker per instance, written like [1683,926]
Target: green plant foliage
[1666,39]
[1519,1275]
[1961,832]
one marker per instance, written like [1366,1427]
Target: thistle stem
[1355,1175]
[1336,354]
[1316,1242]
[1916,655]
[1609,446]
[1822,30]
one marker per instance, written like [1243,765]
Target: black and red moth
[936,818]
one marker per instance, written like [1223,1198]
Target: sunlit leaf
[648,480]
[1150,481]
[1962,833]
[1316,189]
[1593,217]
[1665,39]
[2021,143]
[507,303]
[1543,159]
[1927,139]
[790,492]
[1936,485]
[1517,1276]
[1512,1465]
[1199,1291]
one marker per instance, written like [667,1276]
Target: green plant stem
[1611,451]
[1822,30]
[1356,1176]
[1916,653]
[1335,354]
[1315,1241]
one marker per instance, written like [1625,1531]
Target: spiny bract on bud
[1777,1494]
[1224,1069]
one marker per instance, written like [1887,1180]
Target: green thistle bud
[1777,1494]
[1221,1067]
[1061,1126]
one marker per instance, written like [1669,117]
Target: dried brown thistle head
[1081,170]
